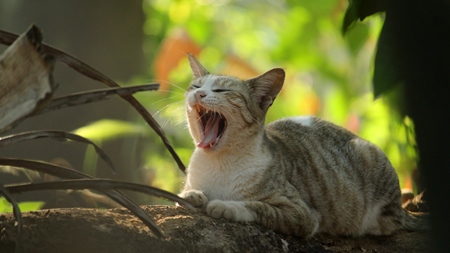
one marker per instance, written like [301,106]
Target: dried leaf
[99,185]
[104,185]
[8,38]
[57,135]
[108,187]
[94,96]
[43,167]
[26,83]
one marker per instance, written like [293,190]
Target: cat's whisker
[259,123]
[179,110]
[236,65]
[226,112]
[199,119]
[172,92]
[164,99]
[181,121]
[167,106]
[171,84]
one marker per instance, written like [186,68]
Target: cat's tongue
[210,134]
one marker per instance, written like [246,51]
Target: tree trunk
[116,230]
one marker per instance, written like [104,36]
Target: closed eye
[196,86]
[220,90]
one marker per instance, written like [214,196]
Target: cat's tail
[416,221]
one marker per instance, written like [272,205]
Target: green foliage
[107,129]
[328,74]
[6,207]
[360,9]
[386,69]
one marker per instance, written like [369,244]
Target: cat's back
[310,143]
[307,131]
[324,145]
[345,178]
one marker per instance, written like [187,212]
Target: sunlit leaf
[15,207]
[360,9]
[108,129]
[5,206]
[357,37]
[31,205]
[375,126]
[337,105]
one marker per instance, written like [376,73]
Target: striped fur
[299,175]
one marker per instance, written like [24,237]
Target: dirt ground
[116,230]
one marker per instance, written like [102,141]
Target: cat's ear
[197,69]
[266,87]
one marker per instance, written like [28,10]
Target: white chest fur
[225,178]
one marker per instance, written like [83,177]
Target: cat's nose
[200,94]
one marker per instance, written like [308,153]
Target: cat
[298,176]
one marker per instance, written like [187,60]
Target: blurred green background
[328,74]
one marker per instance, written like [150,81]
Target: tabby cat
[299,175]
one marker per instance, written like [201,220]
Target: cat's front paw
[230,210]
[195,197]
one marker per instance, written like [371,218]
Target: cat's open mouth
[213,125]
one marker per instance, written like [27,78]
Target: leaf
[43,167]
[135,209]
[31,205]
[16,209]
[94,96]
[116,196]
[106,129]
[108,187]
[69,173]
[360,9]
[26,83]
[357,37]
[8,38]
[58,135]
[96,184]
[386,70]
[4,205]
[104,185]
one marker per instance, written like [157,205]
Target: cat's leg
[195,197]
[285,217]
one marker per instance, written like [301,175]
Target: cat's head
[225,110]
